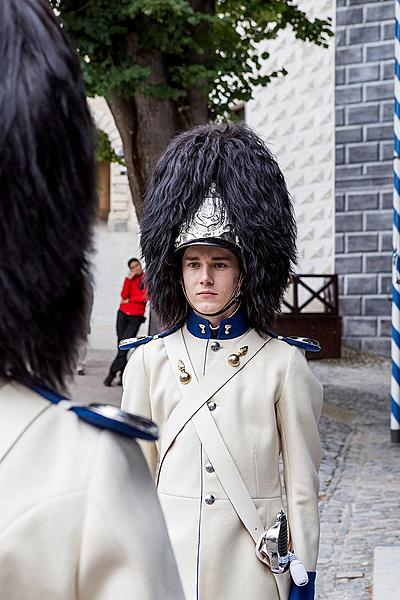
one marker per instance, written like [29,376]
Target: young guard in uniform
[218,238]
[79,517]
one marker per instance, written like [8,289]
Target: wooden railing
[326,294]
[313,311]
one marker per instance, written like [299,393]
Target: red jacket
[133,291]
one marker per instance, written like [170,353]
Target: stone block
[364,33]
[365,113]
[377,306]
[385,241]
[341,37]
[361,284]
[348,264]
[382,11]
[386,151]
[349,222]
[387,111]
[339,202]
[346,172]
[348,95]
[386,200]
[387,70]
[349,56]
[384,327]
[350,305]
[361,242]
[360,327]
[383,169]
[378,263]
[362,153]
[360,74]
[388,31]
[339,116]
[339,243]
[339,155]
[379,91]
[379,346]
[340,76]
[362,201]
[345,16]
[385,284]
[346,135]
[379,132]
[379,220]
[352,342]
[378,52]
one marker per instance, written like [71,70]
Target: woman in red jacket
[130,315]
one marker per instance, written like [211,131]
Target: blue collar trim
[230,328]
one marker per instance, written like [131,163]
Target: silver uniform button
[209,468]
[215,346]
[209,499]
[211,405]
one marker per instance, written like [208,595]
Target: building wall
[364,150]
[295,116]
[122,216]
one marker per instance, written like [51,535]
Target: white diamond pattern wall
[295,116]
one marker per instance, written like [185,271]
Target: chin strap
[236,299]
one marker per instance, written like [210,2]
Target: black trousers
[127,327]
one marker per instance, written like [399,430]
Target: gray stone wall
[364,150]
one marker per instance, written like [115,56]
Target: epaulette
[300,342]
[138,341]
[105,416]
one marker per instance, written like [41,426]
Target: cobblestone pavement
[360,475]
[360,472]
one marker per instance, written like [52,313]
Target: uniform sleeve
[125,551]
[136,399]
[126,289]
[298,412]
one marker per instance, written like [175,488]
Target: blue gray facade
[363,174]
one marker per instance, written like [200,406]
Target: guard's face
[211,276]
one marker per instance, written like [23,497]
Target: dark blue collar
[230,328]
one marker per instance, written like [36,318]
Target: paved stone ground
[360,473]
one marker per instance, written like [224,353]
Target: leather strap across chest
[197,393]
[193,407]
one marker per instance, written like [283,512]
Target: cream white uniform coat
[79,519]
[271,407]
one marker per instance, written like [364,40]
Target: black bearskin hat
[236,161]
[47,196]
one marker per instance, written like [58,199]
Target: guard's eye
[220,265]
[193,265]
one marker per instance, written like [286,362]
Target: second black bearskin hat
[237,162]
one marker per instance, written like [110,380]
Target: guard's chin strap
[236,299]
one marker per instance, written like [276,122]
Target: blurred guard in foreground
[79,518]
[230,396]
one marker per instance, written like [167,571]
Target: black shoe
[119,382]
[81,371]
[108,380]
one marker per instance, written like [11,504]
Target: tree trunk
[146,124]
